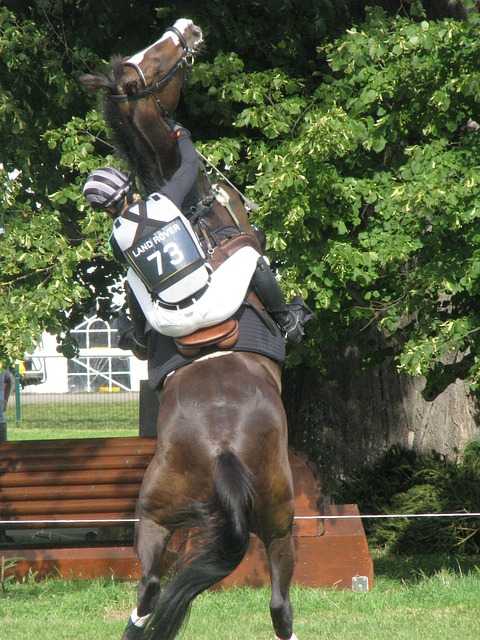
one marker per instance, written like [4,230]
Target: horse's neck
[165,148]
[145,140]
[164,159]
[234,211]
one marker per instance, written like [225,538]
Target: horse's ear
[96,82]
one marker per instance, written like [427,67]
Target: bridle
[187,60]
[151,91]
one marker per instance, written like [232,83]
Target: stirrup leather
[222,336]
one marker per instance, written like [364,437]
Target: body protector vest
[168,275]
[161,248]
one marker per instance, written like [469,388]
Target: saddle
[221,336]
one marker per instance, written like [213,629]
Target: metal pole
[18,387]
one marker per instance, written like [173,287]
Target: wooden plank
[75,464]
[74,492]
[108,516]
[322,561]
[69,477]
[81,563]
[77,451]
[36,508]
[76,444]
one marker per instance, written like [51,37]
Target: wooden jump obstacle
[99,479]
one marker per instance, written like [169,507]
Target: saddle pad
[255,337]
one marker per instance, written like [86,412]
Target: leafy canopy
[369,186]
[363,161]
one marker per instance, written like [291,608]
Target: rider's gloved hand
[186,175]
[181,131]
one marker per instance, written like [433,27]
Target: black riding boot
[289,317]
[131,331]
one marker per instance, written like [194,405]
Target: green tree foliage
[43,250]
[369,186]
[55,265]
[360,154]
[403,481]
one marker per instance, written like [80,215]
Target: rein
[187,60]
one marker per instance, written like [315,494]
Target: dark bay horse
[221,464]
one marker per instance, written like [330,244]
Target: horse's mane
[128,144]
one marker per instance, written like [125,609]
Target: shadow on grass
[413,568]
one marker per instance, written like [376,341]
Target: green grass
[413,599]
[58,432]
[65,419]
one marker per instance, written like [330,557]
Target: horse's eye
[130,87]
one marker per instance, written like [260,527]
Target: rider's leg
[289,317]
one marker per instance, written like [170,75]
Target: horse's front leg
[151,540]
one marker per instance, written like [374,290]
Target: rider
[112,190]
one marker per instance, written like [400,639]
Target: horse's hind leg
[151,542]
[281,560]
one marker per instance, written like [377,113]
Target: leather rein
[187,59]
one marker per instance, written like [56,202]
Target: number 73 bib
[167,256]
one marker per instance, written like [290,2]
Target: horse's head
[155,71]
[141,92]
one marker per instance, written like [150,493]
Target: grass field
[413,599]
[98,416]
[60,432]
[416,598]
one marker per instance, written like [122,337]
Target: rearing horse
[221,463]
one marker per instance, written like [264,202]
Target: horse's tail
[227,539]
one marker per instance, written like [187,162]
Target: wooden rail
[55,480]
[99,479]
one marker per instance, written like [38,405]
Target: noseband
[187,60]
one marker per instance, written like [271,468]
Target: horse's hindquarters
[232,404]
[228,402]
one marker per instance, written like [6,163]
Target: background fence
[63,410]
[96,390]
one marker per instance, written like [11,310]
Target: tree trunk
[354,415]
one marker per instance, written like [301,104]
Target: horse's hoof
[292,637]
[132,632]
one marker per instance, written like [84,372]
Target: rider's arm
[184,178]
